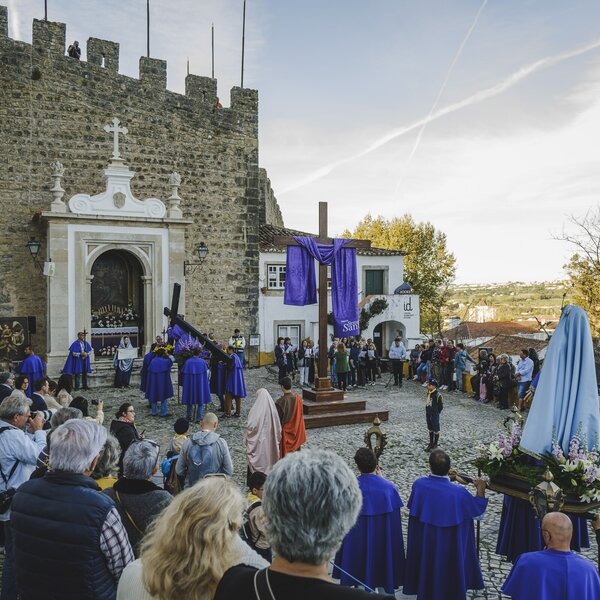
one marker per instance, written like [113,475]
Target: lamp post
[34,249]
[189,267]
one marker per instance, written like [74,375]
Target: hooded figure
[263,434]
[123,367]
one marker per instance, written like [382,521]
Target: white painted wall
[273,312]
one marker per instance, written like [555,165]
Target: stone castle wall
[53,107]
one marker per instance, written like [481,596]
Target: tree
[428,266]
[584,267]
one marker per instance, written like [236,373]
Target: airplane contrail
[439,95]
[475,98]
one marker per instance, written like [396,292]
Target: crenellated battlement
[49,42]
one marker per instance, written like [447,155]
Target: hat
[432,381]
[4,377]
[181,426]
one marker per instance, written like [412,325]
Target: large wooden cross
[322,382]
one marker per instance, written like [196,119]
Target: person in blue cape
[556,573]
[32,367]
[124,366]
[196,391]
[441,557]
[373,550]
[159,386]
[78,361]
[144,371]
[217,379]
[520,530]
[235,386]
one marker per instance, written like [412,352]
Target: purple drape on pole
[300,284]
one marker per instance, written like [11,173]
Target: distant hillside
[512,301]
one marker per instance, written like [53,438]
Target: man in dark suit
[7,385]
[38,398]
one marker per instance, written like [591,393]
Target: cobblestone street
[465,425]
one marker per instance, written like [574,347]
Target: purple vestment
[300,283]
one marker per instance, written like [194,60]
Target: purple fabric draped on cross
[301,287]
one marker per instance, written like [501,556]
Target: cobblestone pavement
[464,424]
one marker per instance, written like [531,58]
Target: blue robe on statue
[33,368]
[553,575]
[441,557]
[373,550]
[74,364]
[144,372]
[520,530]
[235,378]
[194,376]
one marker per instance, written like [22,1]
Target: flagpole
[45,10]
[213,49]
[148,28]
[243,42]
[188,66]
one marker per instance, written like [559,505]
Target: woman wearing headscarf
[263,434]
[123,367]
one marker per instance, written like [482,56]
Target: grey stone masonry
[53,108]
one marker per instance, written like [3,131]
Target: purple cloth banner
[300,283]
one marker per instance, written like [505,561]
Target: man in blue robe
[144,371]
[235,386]
[196,391]
[159,387]
[556,573]
[373,550]
[441,557]
[78,361]
[32,367]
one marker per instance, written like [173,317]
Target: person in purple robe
[441,557]
[78,361]
[159,386]
[556,573]
[373,550]
[196,390]
[144,371]
[32,367]
[217,379]
[235,386]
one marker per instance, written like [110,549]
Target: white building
[380,274]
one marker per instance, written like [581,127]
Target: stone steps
[329,406]
[343,418]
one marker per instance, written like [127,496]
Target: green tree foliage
[429,267]
[584,267]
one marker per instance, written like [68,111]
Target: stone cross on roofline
[322,381]
[115,130]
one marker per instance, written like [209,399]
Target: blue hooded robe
[553,575]
[144,371]
[159,386]
[235,378]
[194,379]
[373,550]
[74,363]
[33,368]
[441,557]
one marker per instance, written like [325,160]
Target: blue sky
[344,84]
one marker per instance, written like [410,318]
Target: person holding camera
[18,457]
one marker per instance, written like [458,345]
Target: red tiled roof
[268,232]
[469,329]
[508,344]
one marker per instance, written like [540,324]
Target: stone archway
[117,302]
[384,334]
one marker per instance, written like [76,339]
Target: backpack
[200,461]
[171,481]
[245,530]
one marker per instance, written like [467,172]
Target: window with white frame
[291,331]
[275,277]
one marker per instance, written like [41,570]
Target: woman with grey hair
[107,467]
[311,500]
[139,500]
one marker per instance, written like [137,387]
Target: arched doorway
[117,302]
[385,333]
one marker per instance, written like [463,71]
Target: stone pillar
[57,174]
[149,324]
[174,199]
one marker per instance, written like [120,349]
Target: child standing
[433,408]
[254,529]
